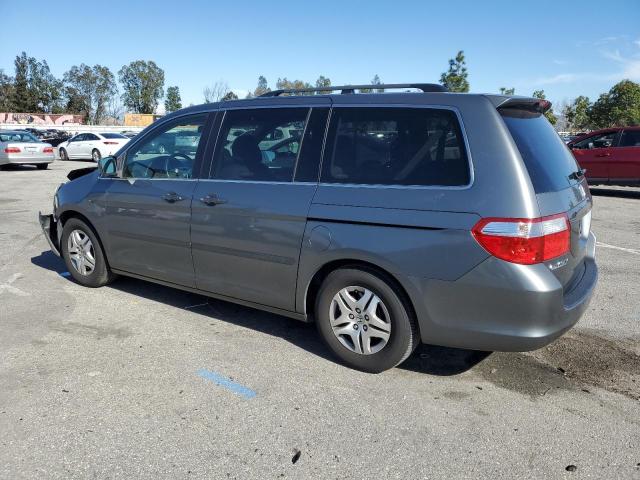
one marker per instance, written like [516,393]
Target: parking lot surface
[137,380]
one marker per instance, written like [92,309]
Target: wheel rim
[81,252]
[63,154]
[360,320]
[96,155]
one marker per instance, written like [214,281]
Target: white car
[91,145]
[21,147]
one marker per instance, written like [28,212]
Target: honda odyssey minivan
[388,219]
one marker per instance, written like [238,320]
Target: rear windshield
[113,135]
[22,137]
[547,158]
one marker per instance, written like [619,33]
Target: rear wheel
[83,255]
[365,320]
[42,166]
[95,155]
[63,154]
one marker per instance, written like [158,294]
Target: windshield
[23,137]
[113,135]
[545,155]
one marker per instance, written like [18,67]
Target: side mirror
[107,166]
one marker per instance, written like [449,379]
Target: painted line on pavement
[622,249]
[227,383]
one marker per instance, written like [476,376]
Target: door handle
[603,155]
[212,199]
[172,197]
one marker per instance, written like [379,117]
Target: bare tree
[115,110]
[215,92]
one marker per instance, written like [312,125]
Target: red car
[610,156]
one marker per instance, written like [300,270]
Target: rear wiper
[577,175]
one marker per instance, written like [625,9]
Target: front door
[74,146]
[594,154]
[249,218]
[149,206]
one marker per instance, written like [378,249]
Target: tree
[215,92]
[507,91]
[143,83]
[89,91]
[6,93]
[455,79]
[284,84]
[577,113]
[376,81]
[323,81]
[619,107]
[262,88]
[35,89]
[229,96]
[549,113]
[173,101]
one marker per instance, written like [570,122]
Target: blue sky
[565,48]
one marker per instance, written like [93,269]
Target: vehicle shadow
[611,192]
[427,359]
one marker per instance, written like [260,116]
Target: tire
[100,274]
[95,155]
[63,154]
[400,325]
[42,166]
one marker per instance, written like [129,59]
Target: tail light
[12,150]
[524,240]
[47,150]
[110,143]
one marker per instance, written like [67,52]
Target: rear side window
[630,138]
[548,160]
[259,144]
[395,146]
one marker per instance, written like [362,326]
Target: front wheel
[95,155]
[365,320]
[83,255]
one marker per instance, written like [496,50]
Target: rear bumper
[49,227]
[26,160]
[500,306]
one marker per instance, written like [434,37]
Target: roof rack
[347,89]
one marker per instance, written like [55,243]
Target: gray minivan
[389,219]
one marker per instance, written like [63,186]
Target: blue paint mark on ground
[64,274]
[227,383]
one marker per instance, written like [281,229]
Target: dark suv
[389,219]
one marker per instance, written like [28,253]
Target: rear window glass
[547,158]
[395,146]
[113,135]
[22,137]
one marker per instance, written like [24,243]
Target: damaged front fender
[49,227]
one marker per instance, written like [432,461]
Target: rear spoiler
[531,104]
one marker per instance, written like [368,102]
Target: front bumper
[499,306]
[50,229]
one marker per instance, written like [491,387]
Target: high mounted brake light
[524,240]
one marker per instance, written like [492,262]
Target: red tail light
[12,150]
[110,143]
[524,240]
[47,150]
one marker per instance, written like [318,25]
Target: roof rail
[345,89]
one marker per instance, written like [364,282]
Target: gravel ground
[121,382]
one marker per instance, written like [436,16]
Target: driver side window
[603,140]
[168,152]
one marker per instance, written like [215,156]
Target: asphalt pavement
[136,380]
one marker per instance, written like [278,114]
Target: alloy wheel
[360,320]
[81,252]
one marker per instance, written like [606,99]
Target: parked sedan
[92,146]
[21,147]
[610,156]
